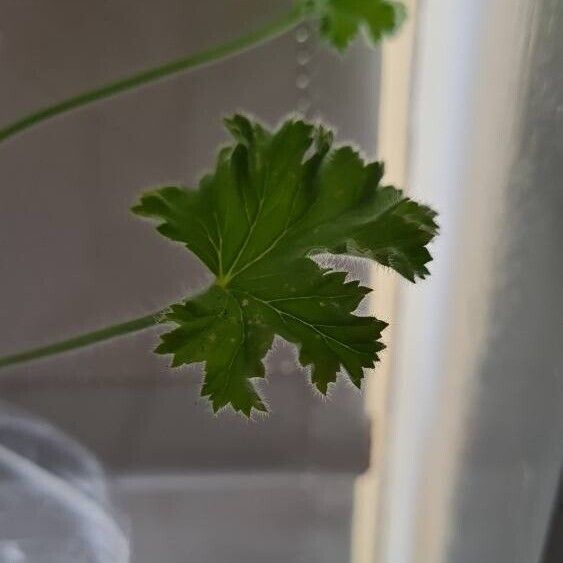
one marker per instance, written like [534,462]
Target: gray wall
[72,257]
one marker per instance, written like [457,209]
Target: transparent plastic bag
[54,505]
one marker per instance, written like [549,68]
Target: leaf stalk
[86,339]
[214,54]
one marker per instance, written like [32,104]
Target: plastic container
[54,504]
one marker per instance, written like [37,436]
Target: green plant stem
[228,49]
[83,340]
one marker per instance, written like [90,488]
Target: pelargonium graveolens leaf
[274,200]
[341,20]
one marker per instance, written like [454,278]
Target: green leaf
[341,20]
[274,200]
[216,328]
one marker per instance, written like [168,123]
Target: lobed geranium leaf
[341,20]
[274,200]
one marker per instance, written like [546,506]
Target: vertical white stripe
[368,535]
